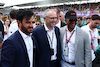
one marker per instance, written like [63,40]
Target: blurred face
[26,26]
[7,22]
[58,14]
[79,21]
[37,23]
[84,18]
[71,23]
[51,19]
[61,17]
[95,23]
[88,21]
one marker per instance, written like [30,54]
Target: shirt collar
[58,24]
[15,21]
[46,28]
[90,29]
[2,21]
[23,34]
[72,30]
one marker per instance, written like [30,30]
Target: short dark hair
[88,18]
[13,14]
[79,18]
[24,14]
[95,17]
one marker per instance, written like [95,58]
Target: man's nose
[31,24]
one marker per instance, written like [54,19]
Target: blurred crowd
[76,7]
[53,20]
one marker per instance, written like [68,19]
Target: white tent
[21,4]
[17,2]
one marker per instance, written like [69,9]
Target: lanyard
[51,40]
[68,40]
[92,38]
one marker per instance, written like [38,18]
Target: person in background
[98,30]
[79,22]
[36,14]
[6,26]
[1,15]
[84,20]
[17,50]
[1,42]
[76,48]
[37,18]
[57,10]
[88,20]
[61,17]
[13,26]
[1,24]
[47,36]
[92,31]
[37,23]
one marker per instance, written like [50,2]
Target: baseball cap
[70,14]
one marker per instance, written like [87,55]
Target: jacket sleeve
[88,57]
[7,54]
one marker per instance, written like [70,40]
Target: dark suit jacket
[96,62]
[44,58]
[2,28]
[14,52]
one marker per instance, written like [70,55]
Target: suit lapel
[56,32]
[62,31]
[34,51]
[77,38]
[44,33]
[23,46]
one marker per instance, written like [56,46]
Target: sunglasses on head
[71,20]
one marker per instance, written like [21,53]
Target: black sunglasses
[37,24]
[59,16]
[71,20]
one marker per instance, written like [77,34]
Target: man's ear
[18,22]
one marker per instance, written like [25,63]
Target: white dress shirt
[94,34]
[71,45]
[13,27]
[29,46]
[54,41]
[59,24]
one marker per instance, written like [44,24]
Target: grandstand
[83,8]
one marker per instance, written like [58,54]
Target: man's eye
[33,22]
[27,22]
